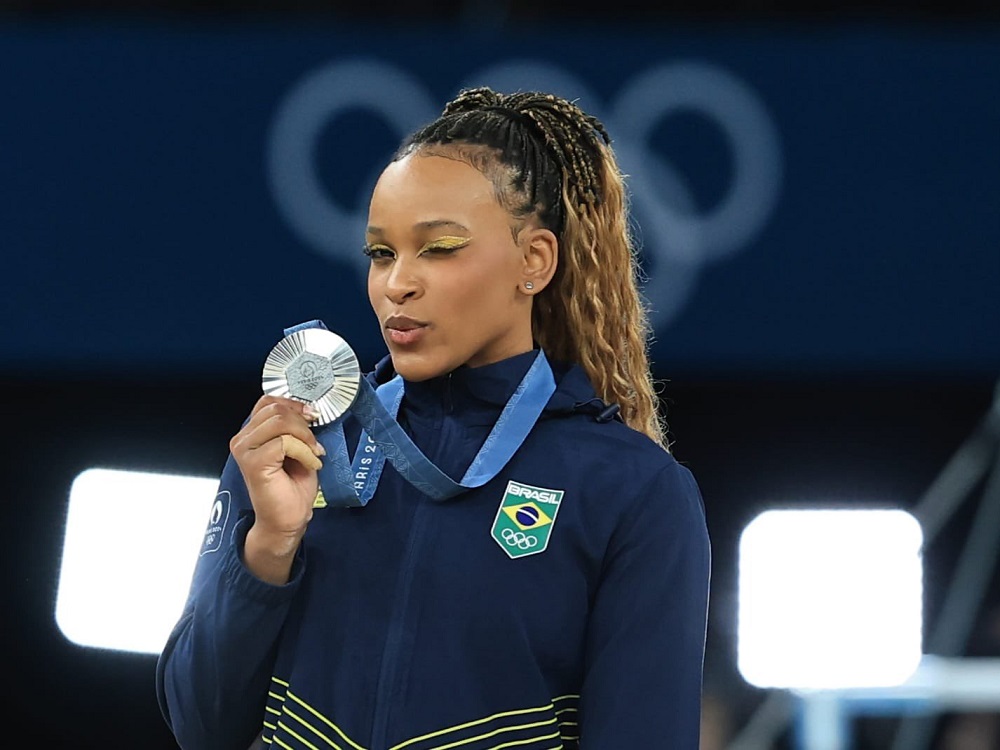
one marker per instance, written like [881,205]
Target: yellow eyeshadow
[449,242]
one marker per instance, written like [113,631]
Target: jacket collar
[490,386]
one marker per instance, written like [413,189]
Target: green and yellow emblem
[524,519]
[320,501]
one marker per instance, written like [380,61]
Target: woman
[560,604]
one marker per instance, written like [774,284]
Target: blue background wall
[818,201]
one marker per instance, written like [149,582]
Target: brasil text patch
[525,518]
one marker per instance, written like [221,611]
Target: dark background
[753,439]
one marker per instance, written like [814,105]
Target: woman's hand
[277,454]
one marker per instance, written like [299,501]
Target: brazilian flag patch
[320,501]
[525,518]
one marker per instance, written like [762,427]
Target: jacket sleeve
[213,674]
[646,634]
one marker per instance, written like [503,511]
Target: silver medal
[315,366]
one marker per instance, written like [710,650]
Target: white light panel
[131,543]
[830,599]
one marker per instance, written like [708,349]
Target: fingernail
[310,413]
[320,450]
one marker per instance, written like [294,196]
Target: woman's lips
[404,331]
[405,336]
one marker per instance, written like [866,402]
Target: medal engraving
[309,377]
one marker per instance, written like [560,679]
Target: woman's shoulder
[591,424]
[611,442]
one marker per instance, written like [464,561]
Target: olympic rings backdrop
[174,197]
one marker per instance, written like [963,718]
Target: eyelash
[377,252]
[442,249]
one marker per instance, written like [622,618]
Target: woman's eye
[378,252]
[445,246]
[439,250]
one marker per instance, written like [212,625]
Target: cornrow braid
[551,161]
[571,135]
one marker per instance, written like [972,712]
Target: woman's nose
[402,283]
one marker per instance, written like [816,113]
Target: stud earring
[529,285]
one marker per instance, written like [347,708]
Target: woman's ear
[541,257]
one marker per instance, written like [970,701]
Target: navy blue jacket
[406,625]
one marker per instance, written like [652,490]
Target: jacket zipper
[393,653]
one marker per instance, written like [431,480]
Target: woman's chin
[414,367]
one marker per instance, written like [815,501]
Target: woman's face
[445,268]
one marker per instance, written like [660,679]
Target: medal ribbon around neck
[315,365]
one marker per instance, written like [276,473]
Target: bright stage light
[830,599]
[131,542]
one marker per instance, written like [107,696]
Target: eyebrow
[432,224]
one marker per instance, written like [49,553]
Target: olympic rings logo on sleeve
[677,239]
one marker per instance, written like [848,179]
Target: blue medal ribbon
[347,483]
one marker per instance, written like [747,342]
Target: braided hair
[550,161]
